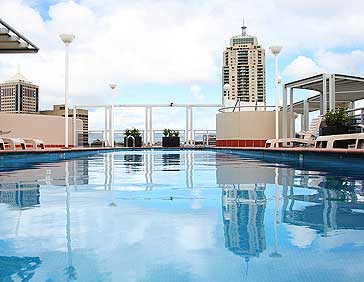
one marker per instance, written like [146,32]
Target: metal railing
[98,138]
[247,108]
[356,117]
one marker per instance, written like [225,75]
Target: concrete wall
[246,128]
[48,128]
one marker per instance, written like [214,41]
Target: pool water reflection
[179,216]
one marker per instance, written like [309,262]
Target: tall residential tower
[244,69]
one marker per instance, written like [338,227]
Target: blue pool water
[178,216]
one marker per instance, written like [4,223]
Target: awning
[347,89]
[12,41]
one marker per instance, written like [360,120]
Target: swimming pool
[178,216]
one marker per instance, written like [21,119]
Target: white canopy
[12,41]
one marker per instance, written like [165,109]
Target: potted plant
[171,138]
[132,138]
[336,122]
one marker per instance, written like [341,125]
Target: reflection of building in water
[243,212]
[325,210]
[20,195]
[171,159]
[133,162]
[18,268]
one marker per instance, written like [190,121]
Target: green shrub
[132,132]
[170,133]
[166,132]
[337,117]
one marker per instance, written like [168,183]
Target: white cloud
[197,92]
[302,67]
[171,42]
[301,236]
[351,63]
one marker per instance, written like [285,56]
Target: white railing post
[75,143]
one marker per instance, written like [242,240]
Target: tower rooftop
[18,77]
[243,38]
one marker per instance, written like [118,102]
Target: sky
[171,50]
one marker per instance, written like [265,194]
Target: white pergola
[11,41]
[334,90]
[148,134]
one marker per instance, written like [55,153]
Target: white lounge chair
[341,141]
[307,137]
[14,143]
[2,144]
[35,143]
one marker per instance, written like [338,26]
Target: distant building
[59,110]
[19,95]
[244,69]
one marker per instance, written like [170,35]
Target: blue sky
[171,51]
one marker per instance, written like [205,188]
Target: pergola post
[324,95]
[284,113]
[302,121]
[291,114]
[332,92]
[74,128]
[306,111]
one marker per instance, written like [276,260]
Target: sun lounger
[14,143]
[35,143]
[2,144]
[307,138]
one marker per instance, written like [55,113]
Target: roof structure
[347,89]
[18,77]
[334,90]
[11,41]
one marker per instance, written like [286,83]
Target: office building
[59,110]
[19,95]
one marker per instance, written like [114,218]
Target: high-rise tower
[244,69]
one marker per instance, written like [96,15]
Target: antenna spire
[243,28]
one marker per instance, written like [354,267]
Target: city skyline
[173,56]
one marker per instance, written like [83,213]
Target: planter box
[334,130]
[171,141]
[138,142]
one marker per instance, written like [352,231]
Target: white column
[191,126]
[303,121]
[187,126]
[284,113]
[151,126]
[75,143]
[306,110]
[146,127]
[112,126]
[110,121]
[324,95]
[292,119]
[106,136]
[66,100]
[332,92]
